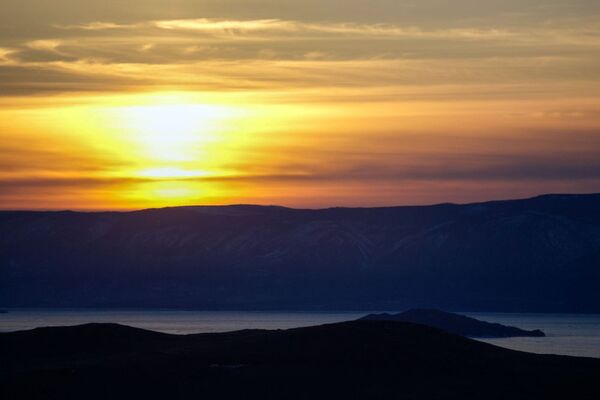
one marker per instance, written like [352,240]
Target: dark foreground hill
[455,323]
[353,360]
[540,254]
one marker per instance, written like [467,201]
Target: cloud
[96,26]
[44,45]
[227,26]
[275,26]
[581,32]
[231,54]
[5,56]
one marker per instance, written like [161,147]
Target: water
[577,335]
[568,334]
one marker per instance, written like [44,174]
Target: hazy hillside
[540,254]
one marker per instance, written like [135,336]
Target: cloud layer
[386,103]
[227,53]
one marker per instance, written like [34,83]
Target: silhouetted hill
[455,323]
[538,254]
[359,359]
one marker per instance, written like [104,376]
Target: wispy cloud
[5,55]
[582,32]
[97,26]
[238,27]
[44,45]
[213,54]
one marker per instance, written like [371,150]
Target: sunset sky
[110,104]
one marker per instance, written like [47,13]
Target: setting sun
[173,132]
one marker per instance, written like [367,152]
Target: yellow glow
[172,132]
[174,190]
[164,129]
[171,172]
[172,139]
[150,149]
[167,149]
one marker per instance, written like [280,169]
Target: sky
[144,103]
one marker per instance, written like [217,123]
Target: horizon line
[131,210]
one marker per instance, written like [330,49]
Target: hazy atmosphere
[131,104]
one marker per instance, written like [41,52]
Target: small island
[456,323]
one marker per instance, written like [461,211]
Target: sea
[566,334]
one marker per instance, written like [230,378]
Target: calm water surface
[568,334]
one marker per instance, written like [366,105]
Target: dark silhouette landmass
[358,359]
[534,255]
[456,323]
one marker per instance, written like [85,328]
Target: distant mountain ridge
[538,254]
[455,323]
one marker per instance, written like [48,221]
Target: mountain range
[540,254]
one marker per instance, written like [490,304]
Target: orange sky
[124,105]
